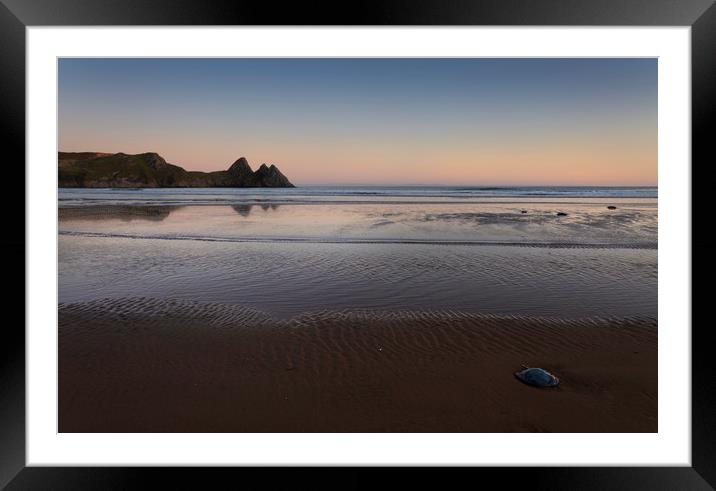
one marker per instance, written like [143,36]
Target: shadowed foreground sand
[145,365]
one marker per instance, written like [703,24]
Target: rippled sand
[139,364]
[287,279]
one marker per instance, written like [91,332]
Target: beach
[153,366]
[357,310]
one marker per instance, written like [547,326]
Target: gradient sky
[374,121]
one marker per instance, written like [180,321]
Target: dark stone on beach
[537,377]
[611,207]
[524,211]
[561,214]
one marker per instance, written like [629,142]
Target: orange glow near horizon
[624,161]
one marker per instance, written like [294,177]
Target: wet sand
[148,365]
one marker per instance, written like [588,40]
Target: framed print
[405,236]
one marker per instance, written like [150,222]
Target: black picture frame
[16,15]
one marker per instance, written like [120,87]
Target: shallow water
[284,259]
[287,279]
[632,224]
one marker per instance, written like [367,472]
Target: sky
[374,121]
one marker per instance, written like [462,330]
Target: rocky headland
[150,170]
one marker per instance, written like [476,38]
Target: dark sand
[138,365]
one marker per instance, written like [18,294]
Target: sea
[566,252]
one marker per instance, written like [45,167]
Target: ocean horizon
[336,194]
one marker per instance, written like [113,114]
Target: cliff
[150,170]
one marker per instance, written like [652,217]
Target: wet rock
[537,377]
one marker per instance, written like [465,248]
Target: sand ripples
[360,335]
[145,364]
[288,279]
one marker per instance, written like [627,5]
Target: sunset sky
[374,121]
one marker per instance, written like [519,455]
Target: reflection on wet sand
[629,225]
[124,213]
[245,210]
[151,213]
